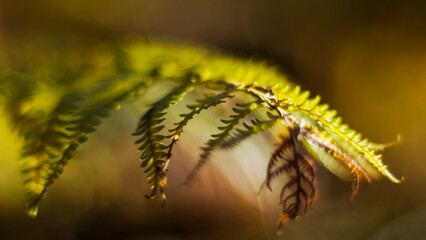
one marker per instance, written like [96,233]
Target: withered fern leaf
[300,188]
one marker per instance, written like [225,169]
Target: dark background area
[367,59]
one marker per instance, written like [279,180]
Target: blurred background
[367,59]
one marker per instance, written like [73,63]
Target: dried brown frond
[300,188]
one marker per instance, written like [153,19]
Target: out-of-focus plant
[56,94]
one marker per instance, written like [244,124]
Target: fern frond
[90,84]
[218,139]
[46,154]
[279,153]
[43,152]
[301,173]
[334,151]
[326,123]
[204,104]
[155,153]
[256,126]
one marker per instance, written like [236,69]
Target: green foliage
[219,139]
[154,151]
[204,104]
[56,101]
[256,126]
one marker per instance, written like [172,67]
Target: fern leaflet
[301,173]
[154,151]
[256,126]
[218,139]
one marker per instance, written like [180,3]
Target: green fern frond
[204,104]
[45,155]
[44,150]
[55,101]
[155,153]
[218,139]
[334,151]
[256,126]
[328,125]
